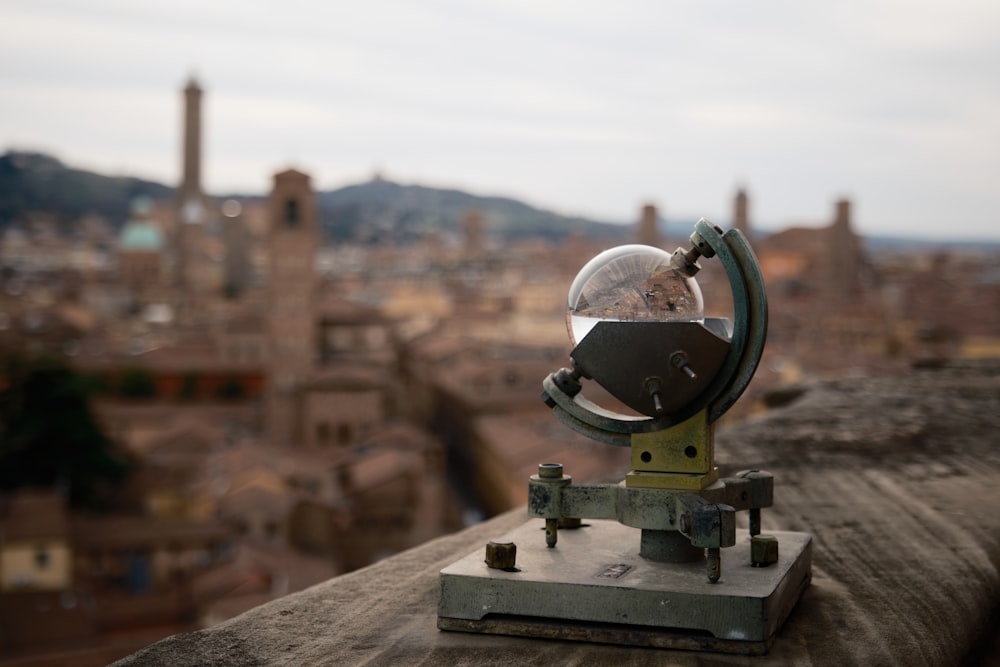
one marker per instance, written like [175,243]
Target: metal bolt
[699,242]
[551,474]
[550,470]
[714,565]
[654,386]
[763,550]
[680,361]
[754,521]
[501,555]
[551,532]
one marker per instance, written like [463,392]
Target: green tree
[49,436]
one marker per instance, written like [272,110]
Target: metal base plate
[594,586]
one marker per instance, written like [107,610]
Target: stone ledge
[897,478]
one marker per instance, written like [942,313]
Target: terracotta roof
[33,514]
[126,532]
[332,307]
[348,376]
[522,441]
[399,435]
[802,239]
[382,467]
[185,443]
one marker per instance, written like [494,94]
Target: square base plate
[593,586]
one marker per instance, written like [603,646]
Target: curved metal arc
[754,327]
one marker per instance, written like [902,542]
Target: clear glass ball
[631,283]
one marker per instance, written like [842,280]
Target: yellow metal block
[688,447]
[671,480]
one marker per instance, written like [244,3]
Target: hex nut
[501,555]
[763,550]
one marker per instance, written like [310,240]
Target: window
[292,213]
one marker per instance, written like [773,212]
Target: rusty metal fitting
[501,555]
[551,532]
[761,489]
[714,565]
[700,245]
[754,521]
[763,550]
[545,498]
[686,261]
[550,470]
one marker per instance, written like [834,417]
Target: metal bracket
[706,518]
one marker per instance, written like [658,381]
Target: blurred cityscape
[212,403]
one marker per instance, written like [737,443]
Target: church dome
[140,234]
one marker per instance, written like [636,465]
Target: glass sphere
[631,283]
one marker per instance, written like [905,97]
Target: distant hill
[368,212]
[379,209]
[33,183]
[903,245]
[37,183]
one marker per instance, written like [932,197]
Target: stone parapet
[897,478]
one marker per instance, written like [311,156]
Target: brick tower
[741,212]
[192,206]
[845,258]
[649,232]
[292,244]
[473,231]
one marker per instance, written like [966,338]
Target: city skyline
[569,107]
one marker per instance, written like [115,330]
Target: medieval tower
[192,205]
[473,233]
[846,262]
[648,232]
[741,212]
[293,239]
[190,187]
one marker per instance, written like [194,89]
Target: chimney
[741,216]
[649,233]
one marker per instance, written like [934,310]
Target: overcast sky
[589,108]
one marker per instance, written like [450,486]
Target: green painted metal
[749,312]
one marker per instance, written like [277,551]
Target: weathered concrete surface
[897,478]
